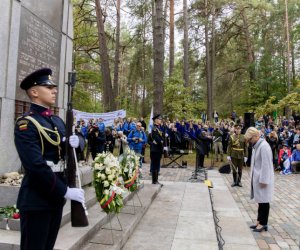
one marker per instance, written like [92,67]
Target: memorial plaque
[39,46]
[50,11]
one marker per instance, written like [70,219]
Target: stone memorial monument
[34,34]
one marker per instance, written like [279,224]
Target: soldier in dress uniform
[156,141]
[39,139]
[237,154]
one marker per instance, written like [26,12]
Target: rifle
[78,211]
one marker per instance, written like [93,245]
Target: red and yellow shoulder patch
[22,124]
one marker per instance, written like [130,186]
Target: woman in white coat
[262,177]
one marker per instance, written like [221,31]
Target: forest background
[186,57]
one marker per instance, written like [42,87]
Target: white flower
[125,169]
[107,161]
[97,165]
[110,177]
[119,190]
[105,183]
[101,167]
[106,192]
[103,176]
[107,171]
[99,175]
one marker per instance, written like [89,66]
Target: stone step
[71,238]
[11,193]
[125,223]
[90,201]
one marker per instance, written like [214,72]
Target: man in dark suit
[156,141]
[40,140]
[202,147]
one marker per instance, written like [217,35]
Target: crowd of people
[283,137]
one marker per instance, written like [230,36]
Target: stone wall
[18,59]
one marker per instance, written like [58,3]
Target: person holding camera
[136,139]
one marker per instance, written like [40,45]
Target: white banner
[108,118]
[150,121]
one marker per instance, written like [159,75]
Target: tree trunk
[117,54]
[158,47]
[207,66]
[143,111]
[185,46]
[213,54]
[171,65]
[288,48]
[249,47]
[108,101]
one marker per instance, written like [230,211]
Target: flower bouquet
[106,173]
[129,162]
[9,212]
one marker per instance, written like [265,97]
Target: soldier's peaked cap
[158,116]
[238,126]
[40,77]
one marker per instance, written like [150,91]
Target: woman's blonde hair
[274,134]
[251,132]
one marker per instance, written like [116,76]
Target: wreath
[106,171]
[129,163]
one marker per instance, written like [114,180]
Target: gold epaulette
[42,131]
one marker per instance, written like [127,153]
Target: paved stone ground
[284,218]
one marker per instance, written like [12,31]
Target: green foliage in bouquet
[9,212]
[129,163]
[106,170]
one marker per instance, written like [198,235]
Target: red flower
[16,216]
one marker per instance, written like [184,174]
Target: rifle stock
[78,215]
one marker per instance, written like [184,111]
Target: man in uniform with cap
[156,141]
[40,142]
[237,154]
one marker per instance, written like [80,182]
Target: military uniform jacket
[237,146]
[156,140]
[41,188]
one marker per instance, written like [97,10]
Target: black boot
[157,182]
[234,179]
[153,177]
[239,180]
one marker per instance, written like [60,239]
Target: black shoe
[233,184]
[158,183]
[253,226]
[265,227]
[239,184]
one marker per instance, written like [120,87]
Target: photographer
[121,141]
[136,139]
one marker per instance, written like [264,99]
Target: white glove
[166,148]
[228,158]
[74,141]
[245,159]
[75,194]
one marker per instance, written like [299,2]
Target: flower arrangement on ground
[129,163]
[9,212]
[106,179]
